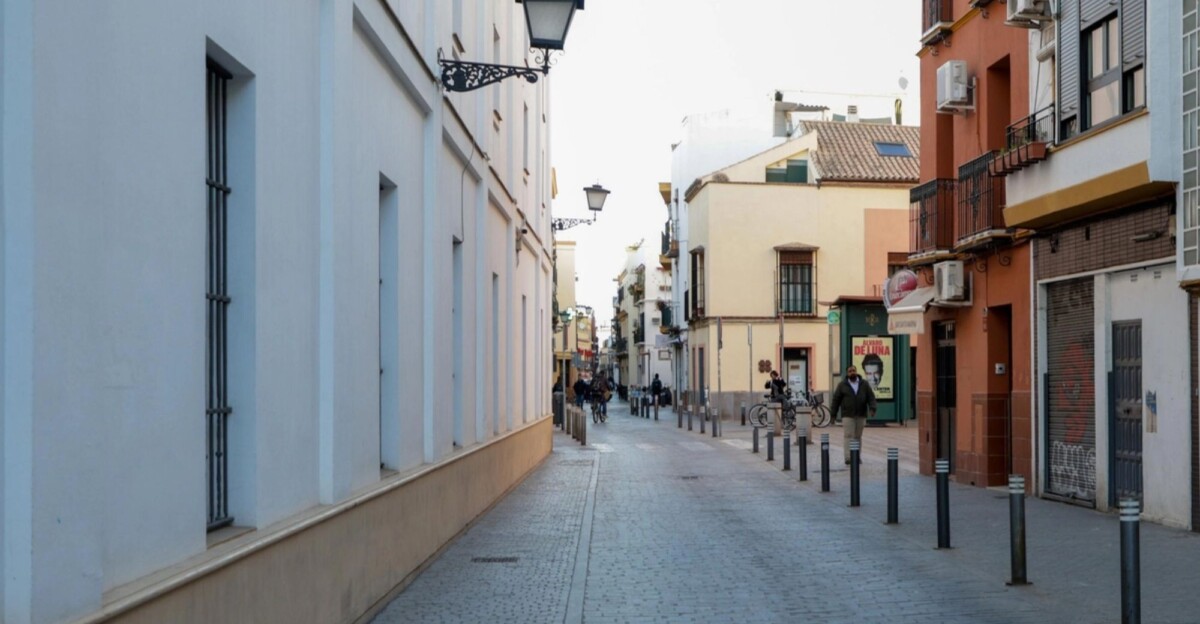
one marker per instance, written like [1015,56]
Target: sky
[632,71]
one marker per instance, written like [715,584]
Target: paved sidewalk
[651,523]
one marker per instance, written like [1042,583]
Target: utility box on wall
[884,360]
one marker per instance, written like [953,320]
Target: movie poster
[873,357]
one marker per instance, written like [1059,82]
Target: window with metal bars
[217,409]
[797,283]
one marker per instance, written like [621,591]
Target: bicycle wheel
[789,419]
[595,413]
[758,415]
[820,415]
[603,415]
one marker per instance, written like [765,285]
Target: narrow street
[653,523]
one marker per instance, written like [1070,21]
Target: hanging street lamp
[596,195]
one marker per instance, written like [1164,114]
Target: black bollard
[824,462]
[678,418]
[1016,526]
[787,451]
[943,502]
[655,408]
[1131,567]
[801,442]
[743,414]
[716,423]
[770,446]
[633,402]
[855,452]
[690,418]
[893,484]
[703,418]
[755,440]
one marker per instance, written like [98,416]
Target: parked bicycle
[760,413]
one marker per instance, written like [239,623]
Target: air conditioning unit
[953,87]
[948,281]
[1027,12]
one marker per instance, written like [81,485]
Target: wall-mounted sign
[898,286]
[872,355]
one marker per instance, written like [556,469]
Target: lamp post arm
[567,223]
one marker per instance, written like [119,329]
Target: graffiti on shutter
[1071,390]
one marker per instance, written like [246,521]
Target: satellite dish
[903,83]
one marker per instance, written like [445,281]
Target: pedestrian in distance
[581,391]
[656,388]
[856,401]
[777,386]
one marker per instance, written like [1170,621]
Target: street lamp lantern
[596,195]
[547,22]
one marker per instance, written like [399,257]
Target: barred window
[217,294]
[797,282]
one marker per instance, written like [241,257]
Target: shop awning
[907,317]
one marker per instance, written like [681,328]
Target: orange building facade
[972,306]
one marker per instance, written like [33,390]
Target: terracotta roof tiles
[847,152]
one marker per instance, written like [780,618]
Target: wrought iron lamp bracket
[467,76]
[567,223]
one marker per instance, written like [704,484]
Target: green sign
[834,317]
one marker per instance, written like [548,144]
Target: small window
[797,171]
[892,149]
[777,174]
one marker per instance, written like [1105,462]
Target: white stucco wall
[103,262]
[1166,439]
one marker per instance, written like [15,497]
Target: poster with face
[873,357]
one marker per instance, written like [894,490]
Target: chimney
[852,114]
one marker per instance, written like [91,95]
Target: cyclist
[601,391]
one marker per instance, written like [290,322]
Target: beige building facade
[776,238]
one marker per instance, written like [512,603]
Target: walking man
[857,401]
[656,388]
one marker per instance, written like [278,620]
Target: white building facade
[276,309]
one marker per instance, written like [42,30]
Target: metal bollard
[943,502]
[646,410]
[1131,566]
[678,418]
[656,409]
[855,452]
[1016,526]
[770,446]
[893,485]
[716,422]
[743,414]
[824,462]
[567,418]
[801,444]
[787,451]
[583,429]
[690,418]
[703,418]
[633,405]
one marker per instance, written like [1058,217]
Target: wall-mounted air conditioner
[948,281]
[953,87]
[1027,13]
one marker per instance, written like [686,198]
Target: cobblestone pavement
[652,523]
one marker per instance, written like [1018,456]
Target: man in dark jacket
[656,389]
[856,400]
[581,390]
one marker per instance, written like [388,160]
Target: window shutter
[795,257]
[797,171]
[1070,67]
[897,257]
[1133,32]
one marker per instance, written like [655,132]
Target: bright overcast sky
[633,69]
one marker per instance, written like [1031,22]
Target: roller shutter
[1070,396]
[1070,68]
[1133,32]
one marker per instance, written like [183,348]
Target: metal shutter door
[1071,391]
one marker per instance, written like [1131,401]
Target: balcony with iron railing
[931,219]
[936,21]
[1027,142]
[639,335]
[980,217]
[668,321]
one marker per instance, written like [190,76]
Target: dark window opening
[797,282]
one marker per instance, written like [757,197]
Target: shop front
[883,359]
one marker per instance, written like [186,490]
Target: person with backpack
[581,390]
[656,388]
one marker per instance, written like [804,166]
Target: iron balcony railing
[667,318]
[639,335]
[980,198]
[931,216]
[1036,128]
[666,238]
[936,12]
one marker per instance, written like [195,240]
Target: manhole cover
[690,477]
[494,559]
